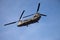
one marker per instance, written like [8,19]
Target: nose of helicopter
[19,23]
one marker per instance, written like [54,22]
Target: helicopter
[26,22]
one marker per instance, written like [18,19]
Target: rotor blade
[10,23]
[28,16]
[21,14]
[43,15]
[38,7]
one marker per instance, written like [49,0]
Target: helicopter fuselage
[26,22]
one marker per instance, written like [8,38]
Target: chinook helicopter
[26,22]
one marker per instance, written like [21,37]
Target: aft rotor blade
[21,14]
[10,23]
[28,16]
[43,15]
[38,7]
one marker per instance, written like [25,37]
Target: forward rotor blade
[21,14]
[10,23]
[38,7]
[43,15]
[28,16]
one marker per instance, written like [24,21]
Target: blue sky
[48,27]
